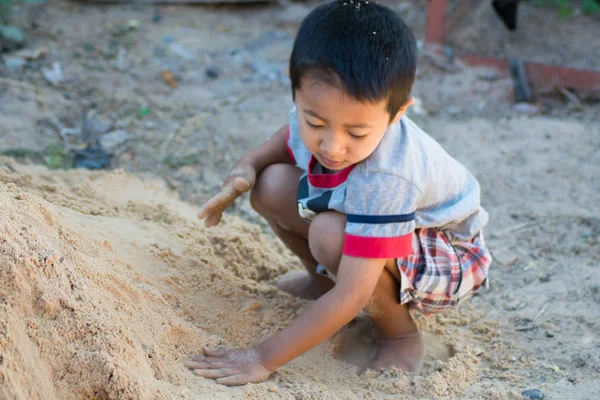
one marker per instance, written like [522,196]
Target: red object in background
[541,76]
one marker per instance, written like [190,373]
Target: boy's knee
[266,192]
[326,239]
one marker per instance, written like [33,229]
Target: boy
[364,197]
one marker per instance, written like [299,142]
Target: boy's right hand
[240,180]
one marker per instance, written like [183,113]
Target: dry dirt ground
[107,281]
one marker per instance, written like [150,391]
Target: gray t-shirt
[408,182]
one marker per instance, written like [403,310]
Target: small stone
[488,75]
[150,125]
[454,110]
[212,72]
[11,38]
[580,361]
[113,140]
[478,351]
[121,62]
[132,24]
[14,64]
[533,394]
[181,51]
[527,108]
[54,75]
[96,125]
[549,334]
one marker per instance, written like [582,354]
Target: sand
[108,282]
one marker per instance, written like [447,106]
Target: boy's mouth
[331,164]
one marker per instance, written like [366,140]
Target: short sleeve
[380,209]
[296,149]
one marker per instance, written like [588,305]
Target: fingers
[217,204]
[215,373]
[213,220]
[241,185]
[214,352]
[203,364]
[234,380]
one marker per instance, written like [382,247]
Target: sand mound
[107,282]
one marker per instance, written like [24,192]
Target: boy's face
[338,130]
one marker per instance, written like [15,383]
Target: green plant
[590,6]
[55,156]
[565,7]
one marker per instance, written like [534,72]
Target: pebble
[549,334]
[54,75]
[212,72]
[533,394]
[95,125]
[12,38]
[454,110]
[113,140]
[180,51]
[527,108]
[14,64]
[489,75]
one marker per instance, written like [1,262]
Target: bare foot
[404,352]
[304,285]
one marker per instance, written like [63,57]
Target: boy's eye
[313,126]
[357,137]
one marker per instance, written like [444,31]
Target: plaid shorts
[440,274]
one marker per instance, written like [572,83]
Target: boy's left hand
[229,367]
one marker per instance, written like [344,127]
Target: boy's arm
[356,281]
[355,284]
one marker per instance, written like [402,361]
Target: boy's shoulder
[405,151]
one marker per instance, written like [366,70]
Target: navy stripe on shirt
[380,219]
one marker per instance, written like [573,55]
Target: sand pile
[107,282]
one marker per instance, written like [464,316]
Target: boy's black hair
[364,45]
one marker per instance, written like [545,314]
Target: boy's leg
[274,197]
[400,344]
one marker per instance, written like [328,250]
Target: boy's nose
[331,147]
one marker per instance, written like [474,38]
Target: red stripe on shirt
[377,247]
[290,152]
[327,181]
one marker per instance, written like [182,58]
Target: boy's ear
[287,72]
[403,109]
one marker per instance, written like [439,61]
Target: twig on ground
[574,101]
[165,145]
[540,312]
[11,168]
[541,221]
[527,329]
